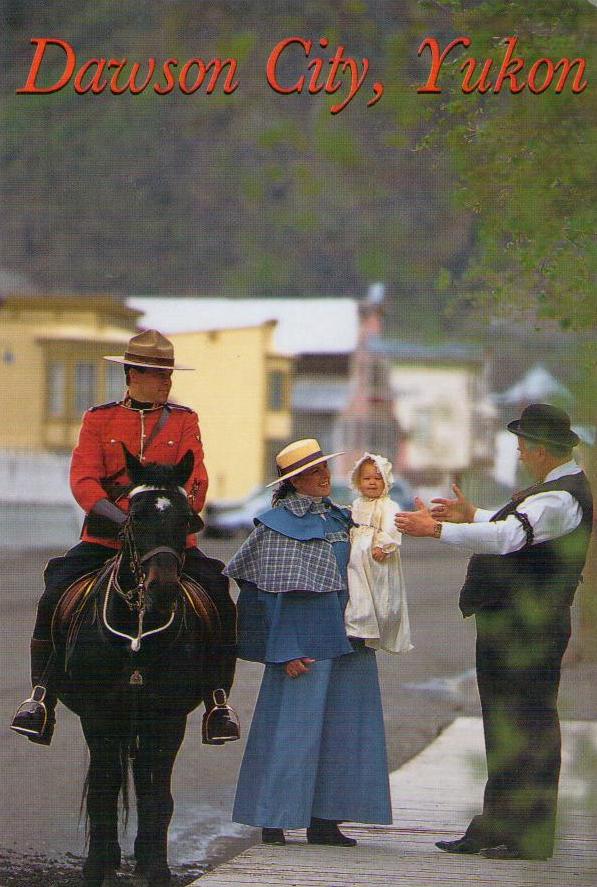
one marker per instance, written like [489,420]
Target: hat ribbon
[299,463]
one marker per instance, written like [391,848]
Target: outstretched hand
[416,523]
[457,511]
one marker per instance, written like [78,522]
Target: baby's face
[371,483]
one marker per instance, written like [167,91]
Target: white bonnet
[383,465]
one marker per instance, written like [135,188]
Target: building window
[276,383]
[56,389]
[114,381]
[84,386]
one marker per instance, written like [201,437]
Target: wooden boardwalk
[433,797]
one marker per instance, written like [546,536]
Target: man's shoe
[35,717]
[326,831]
[221,724]
[503,851]
[272,836]
[460,845]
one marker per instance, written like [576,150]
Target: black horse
[137,645]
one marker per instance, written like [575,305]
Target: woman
[315,754]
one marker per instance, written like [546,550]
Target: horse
[135,643]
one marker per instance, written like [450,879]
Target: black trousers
[518,660]
[84,557]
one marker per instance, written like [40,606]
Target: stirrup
[31,717]
[221,724]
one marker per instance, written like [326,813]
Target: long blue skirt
[316,747]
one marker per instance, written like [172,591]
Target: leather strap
[164,416]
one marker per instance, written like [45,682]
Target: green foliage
[252,192]
[525,163]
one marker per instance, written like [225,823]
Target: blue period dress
[316,746]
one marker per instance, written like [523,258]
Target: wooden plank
[433,796]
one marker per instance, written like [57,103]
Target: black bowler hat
[543,422]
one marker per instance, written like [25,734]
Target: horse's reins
[135,597]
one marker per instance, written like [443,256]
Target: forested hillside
[248,193]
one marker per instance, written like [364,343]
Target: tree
[525,172]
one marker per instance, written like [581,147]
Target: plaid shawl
[290,550]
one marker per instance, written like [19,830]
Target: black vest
[548,573]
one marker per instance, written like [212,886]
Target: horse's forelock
[160,475]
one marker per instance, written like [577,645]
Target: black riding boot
[220,722]
[35,716]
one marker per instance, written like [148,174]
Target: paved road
[422,690]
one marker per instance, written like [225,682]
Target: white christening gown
[377,610]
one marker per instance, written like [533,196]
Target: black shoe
[35,717]
[326,831]
[503,851]
[221,724]
[460,845]
[272,836]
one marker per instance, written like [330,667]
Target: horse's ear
[134,468]
[184,468]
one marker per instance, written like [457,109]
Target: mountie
[541,75]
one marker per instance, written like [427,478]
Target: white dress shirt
[551,515]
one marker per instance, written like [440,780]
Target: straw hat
[149,349]
[299,456]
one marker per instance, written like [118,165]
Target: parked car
[230,519]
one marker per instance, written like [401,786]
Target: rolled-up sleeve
[550,514]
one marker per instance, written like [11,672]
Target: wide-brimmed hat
[298,456]
[545,423]
[149,349]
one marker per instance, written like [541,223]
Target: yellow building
[52,370]
[51,350]
[241,390]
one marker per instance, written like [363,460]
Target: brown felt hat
[149,349]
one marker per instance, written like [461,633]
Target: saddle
[202,605]
[74,599]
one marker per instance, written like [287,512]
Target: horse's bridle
[135,596]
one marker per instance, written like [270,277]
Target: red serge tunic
[99,456]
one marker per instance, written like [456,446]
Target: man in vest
[155,431]
[527,562]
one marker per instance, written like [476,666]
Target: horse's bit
[135,596]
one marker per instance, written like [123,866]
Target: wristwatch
[437,530]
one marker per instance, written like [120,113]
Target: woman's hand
[378,554]
[296,667]
[456,511]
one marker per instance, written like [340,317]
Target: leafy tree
[525,172]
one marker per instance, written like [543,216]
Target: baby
[377,610]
